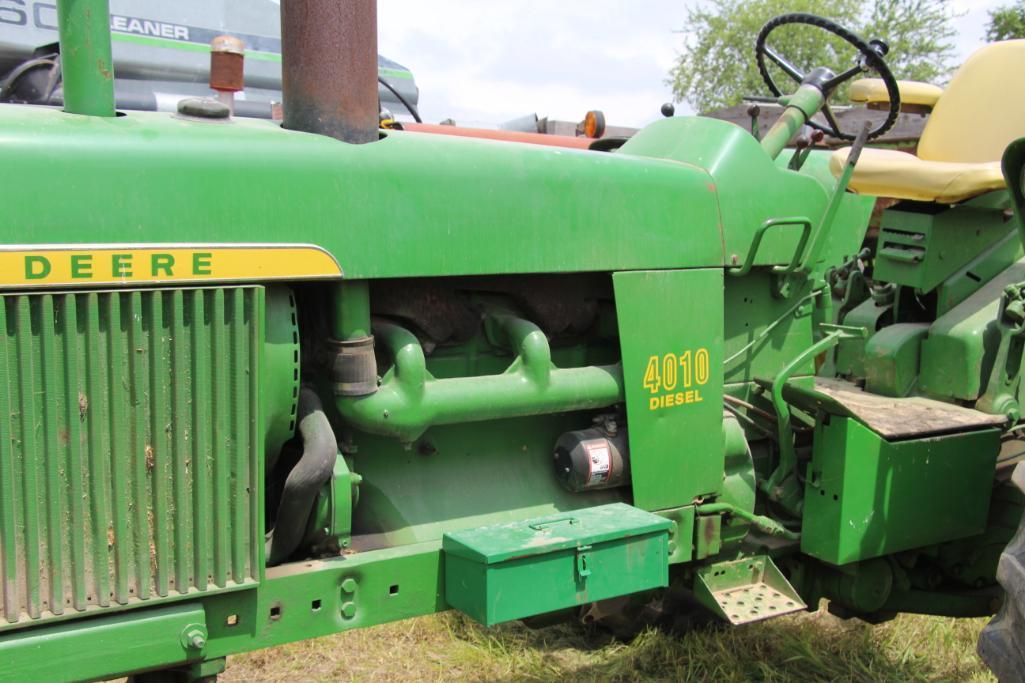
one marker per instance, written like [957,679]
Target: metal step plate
[747,590]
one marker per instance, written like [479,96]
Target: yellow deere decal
[128,264]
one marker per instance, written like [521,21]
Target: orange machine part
[507,135]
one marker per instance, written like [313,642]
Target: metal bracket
[1001,395]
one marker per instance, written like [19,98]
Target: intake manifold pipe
[320,449]
[410,400]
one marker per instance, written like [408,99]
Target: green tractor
[269,382]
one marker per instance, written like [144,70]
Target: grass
[806,647]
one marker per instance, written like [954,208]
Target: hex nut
[193,637]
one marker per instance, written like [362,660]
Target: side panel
[671,338]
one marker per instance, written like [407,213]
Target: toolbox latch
[583,561]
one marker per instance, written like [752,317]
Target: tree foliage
[1006,22]
[716,67]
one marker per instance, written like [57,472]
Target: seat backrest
[982,110]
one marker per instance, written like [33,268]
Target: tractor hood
[684,193]
[407,205]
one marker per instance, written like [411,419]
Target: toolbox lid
[524,538]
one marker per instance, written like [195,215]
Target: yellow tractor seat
[974,120]
[889,173]
[872,91]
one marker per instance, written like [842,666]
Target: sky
[485,62]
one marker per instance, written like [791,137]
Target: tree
[716,67]
[1007,22]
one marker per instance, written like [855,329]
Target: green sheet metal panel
[921,250]
[409,205]
[866,497]
[754,189]
[671,339]
[130,448]
[510,571]
[750,352]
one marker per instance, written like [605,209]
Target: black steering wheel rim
[870,59]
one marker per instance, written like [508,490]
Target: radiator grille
[129,442]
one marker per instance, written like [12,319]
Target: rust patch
[329,68]
[152,547]
[83,406]
[110,537]
[63,437]
[711,187]
[150,459]
[709,532]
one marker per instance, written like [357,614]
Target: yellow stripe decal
[62,265]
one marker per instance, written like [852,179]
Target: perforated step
[747,590]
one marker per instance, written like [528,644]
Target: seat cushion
[873,91]
[982,109]
[889,173]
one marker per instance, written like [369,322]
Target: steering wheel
[870,58]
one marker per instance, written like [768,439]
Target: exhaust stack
[329,68]
[86,64]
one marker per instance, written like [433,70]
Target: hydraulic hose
[320,449]
[766,524]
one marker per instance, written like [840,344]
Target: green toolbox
[510,571]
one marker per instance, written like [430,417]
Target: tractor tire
[1002,641]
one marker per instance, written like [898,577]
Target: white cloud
[477,61]
[487,62]
[972,24]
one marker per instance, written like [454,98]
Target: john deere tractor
[264,381]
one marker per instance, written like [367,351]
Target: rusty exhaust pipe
[329,68]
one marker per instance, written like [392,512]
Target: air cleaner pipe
[86,65]
[329,68]
[351,312]
[410,400]
[354,363]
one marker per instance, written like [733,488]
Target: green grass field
[807,647]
